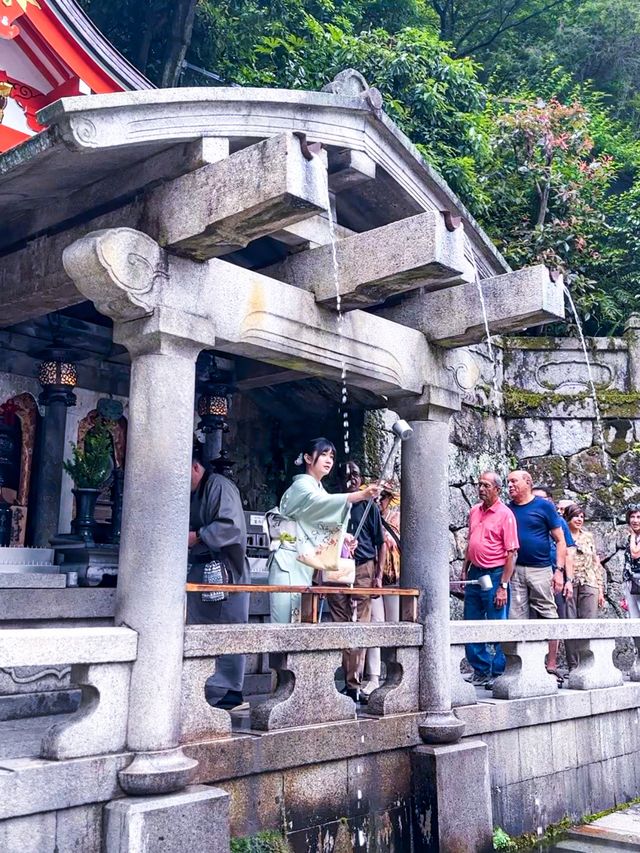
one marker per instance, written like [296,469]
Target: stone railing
[101,660]
[525,644]
[305,659]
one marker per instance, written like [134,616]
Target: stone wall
[569,755]
[544,419]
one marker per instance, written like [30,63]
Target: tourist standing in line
[493,542]
[370,558]
[218,538]
[631,572]
[386,608]
[300,526]
[560,598]
[588,583]
[535,579]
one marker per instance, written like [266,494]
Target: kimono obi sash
[282,531]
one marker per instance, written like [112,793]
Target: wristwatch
[504,584]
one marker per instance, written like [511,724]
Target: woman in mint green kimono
[308,522]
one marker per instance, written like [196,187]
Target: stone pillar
[425,562]
[46,511]
[153,552]
[632,334]
[126,275]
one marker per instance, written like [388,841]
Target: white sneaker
[369,686]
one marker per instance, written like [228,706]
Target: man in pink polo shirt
[493,542]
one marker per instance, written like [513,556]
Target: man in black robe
[217,531]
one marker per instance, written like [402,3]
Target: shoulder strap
[390,530]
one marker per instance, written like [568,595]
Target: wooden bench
[312,594]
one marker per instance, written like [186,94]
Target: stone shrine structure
[199,219]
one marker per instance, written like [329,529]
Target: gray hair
[497,479]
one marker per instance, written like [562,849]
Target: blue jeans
[479,604]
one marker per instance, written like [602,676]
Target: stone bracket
[350,169]
[399,693]
[305,694]
[454,317]
[100,725]
[415,252]
[525,673]
[596,668]
[252,193]
[199,720]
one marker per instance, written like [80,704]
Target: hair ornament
[298,460]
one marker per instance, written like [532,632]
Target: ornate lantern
[58,375]
[213,408]
[213,403]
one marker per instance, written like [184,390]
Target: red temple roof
[49,49]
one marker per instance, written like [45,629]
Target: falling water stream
[344,396]
[600,429]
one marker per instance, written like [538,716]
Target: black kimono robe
[217,516]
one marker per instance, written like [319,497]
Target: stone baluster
[125,273]
[305,693]
[425,557]
[399,693]
[462,693]
[634,672]
[596,668]
[525,673]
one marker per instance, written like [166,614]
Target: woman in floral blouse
[588,574]
[631,571]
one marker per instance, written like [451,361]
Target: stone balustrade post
[125,273]
[425,558]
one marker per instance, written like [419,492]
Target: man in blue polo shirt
[535,580]
[560,597]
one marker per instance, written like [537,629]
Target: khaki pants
[342,609]
[583,605]
[531,590]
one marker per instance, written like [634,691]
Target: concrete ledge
[35,646]
[212,640]
[33,785]
[32,580]
[498,715]
[79,603]
[515,630]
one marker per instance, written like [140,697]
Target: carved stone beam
[372,266]
[264,319]
[454,317]
[248,195]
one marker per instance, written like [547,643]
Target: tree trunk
[179,41]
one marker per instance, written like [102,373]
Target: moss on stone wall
[619,404]
[261,842]
[612,402]
[519,403]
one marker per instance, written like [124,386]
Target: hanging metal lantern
[213,408]
[58,375]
